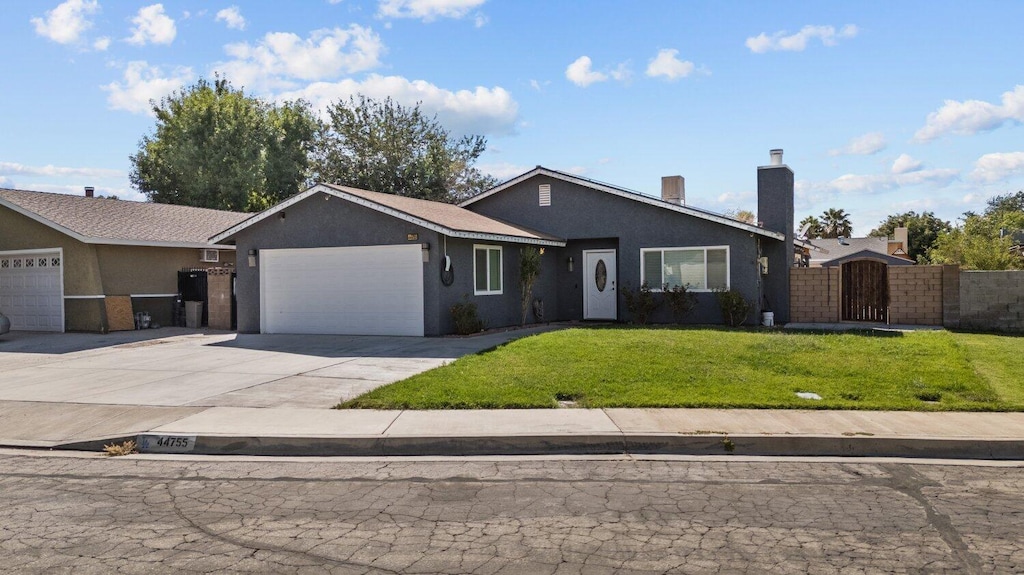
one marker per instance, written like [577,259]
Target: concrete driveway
[175,367]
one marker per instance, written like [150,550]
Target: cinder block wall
[218,290]
[814,295]
[915,295]
[992,300]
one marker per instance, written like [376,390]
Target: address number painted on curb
[167,443]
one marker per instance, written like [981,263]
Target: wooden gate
[865,291]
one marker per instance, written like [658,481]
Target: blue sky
[881,107]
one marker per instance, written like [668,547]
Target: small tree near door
[529,270]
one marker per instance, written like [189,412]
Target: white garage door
[367,290]
[32,290]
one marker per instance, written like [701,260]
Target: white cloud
[428,10]
[485,111]
[7,183]
[231,16]
[503,170]
[870,143]
[905,164]
[143,83]
[575,170]
[876,183]
[66,23]
[781,41]
[280,57]
[581,73]
[101,44]
[998,167]
[15,169]
[153,26]
[622,73]
[668,65]
[972,116]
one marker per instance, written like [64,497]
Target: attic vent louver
[545,194]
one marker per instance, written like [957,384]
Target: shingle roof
[836,250]
[625,193]
[448,219]
[108,221]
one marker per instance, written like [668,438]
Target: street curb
[596,444]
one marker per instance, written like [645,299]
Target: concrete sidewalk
[303,432]
[183,391]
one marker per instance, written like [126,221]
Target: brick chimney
[89,191]
[673,189]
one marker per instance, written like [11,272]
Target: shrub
[640,303]
[735,308]
[680,300]
[465,317]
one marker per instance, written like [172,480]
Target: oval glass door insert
[601,275]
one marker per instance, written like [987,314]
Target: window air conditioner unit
[209,256]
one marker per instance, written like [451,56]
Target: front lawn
[709,367]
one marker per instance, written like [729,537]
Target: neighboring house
[825,252]
[340,260]
[62,255]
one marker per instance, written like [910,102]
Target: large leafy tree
[216,147]
[922,229]
[835,223]
[984,241]
[382,146]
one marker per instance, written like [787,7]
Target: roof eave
[358,200]
[628,195]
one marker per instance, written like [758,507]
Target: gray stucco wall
[592,219]
[775,212]
[319,222]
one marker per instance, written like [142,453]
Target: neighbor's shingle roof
[448,215]
[836,250]
[103,220]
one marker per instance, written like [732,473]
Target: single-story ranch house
[61,256]
[340,260]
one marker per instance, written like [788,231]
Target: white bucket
[768,318]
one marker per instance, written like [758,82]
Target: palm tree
[811,226]
[835,223]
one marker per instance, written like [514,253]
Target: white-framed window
[487,275]
[703,268]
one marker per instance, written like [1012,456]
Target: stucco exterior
[590,219]
[92,271]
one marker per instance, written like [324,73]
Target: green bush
[735,308]
[465,317]
[680,300]
[640,303]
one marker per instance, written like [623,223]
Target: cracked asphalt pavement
[513,515]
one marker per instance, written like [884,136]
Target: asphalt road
[616,515]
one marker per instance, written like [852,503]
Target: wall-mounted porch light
[425,249]
[570,261]
[252,258]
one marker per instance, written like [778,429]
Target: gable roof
[120,222]
[869,255]
[837,250]
[448,219]
[625,193]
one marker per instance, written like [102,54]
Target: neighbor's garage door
[367,290]
[32,290]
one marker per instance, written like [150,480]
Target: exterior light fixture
[570,261]
[252,258]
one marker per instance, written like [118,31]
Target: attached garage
[362,290]
[32,289]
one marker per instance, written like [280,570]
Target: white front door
[32,289]
[365,290]
[600,297]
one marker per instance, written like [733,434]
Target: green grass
[708,367]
